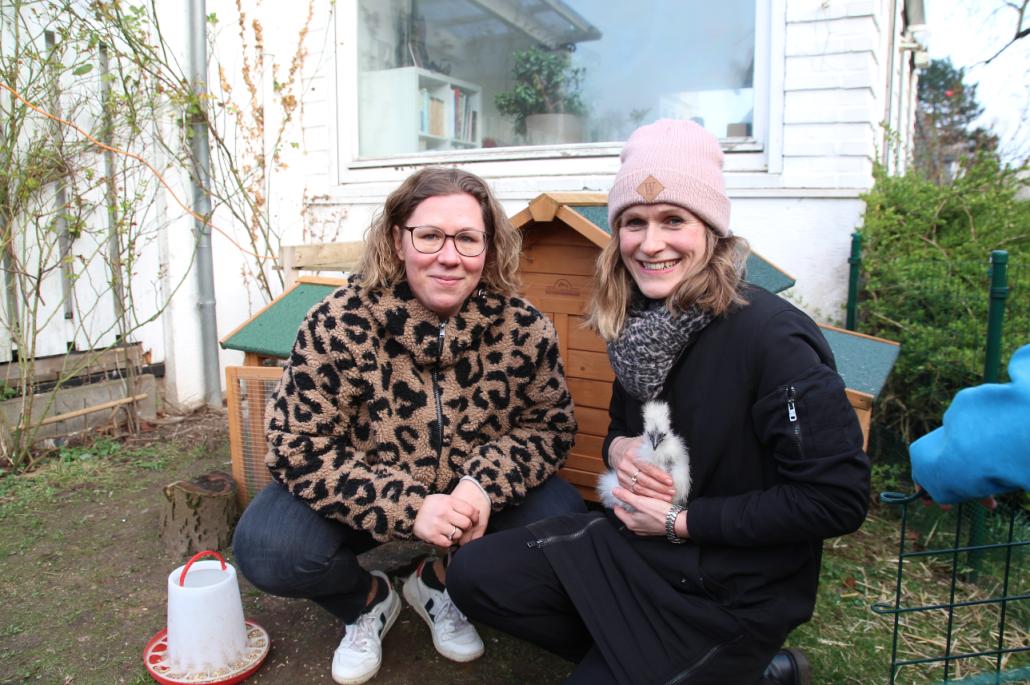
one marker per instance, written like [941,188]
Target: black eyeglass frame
[486,237]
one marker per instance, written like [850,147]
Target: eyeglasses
[430,240]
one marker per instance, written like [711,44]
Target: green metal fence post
[992,372]
[855,260]
[996,315]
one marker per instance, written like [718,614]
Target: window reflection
[462,74]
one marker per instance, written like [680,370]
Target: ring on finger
[454,533]
[633,488]
[633,479]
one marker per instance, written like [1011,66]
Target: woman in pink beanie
[697,579]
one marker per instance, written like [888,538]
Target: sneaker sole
[390,620]
[411,595]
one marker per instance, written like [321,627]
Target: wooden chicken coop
[563,233]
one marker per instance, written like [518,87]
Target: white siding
[823,66]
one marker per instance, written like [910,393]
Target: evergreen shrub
[925,283]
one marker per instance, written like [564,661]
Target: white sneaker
[360,653]
[453,636]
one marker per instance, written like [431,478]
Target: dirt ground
[83,581]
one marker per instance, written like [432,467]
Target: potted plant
[545,103]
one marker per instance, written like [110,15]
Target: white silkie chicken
[660,447]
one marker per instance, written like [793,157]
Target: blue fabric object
[983,448]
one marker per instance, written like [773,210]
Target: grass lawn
[82,586]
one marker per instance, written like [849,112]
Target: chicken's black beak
[656,438]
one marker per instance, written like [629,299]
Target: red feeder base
[155,658]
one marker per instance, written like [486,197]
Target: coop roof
[271,332]
[587,213]
[863,361]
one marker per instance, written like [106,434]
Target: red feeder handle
[199,555]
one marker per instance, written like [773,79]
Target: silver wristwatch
[670,525]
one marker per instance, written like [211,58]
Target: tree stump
[199,514]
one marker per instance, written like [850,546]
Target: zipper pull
[792,414]
[532,544]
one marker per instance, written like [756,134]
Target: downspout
[889,93]
[201,177]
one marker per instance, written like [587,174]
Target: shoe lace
[449,618]
[360,635]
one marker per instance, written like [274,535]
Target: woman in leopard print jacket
[423,399]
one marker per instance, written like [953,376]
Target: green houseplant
[545,83]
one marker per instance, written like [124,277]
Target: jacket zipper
[702,661]
[564,537]
[435,374]
[792,415]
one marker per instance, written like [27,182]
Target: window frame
[762,152]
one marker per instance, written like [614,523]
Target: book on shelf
[437,121]
[423,112]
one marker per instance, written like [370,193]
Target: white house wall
[828,75]
[796,200]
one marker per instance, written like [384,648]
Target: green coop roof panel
[863,362]
[271,332]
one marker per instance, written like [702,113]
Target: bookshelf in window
[410,109]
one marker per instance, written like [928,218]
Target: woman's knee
[277,558]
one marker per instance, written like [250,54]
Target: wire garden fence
[961,608]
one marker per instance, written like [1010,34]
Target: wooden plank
[589,464]
[588,393]
[554,233]
[323,280]
[543,207]
[579,197]
[859,335]
[319,257]
[110,404]
[588,445]
[584,227]
[569,261]
[232,402]
[862,403]
[247,437]
[557,293]
[561,327]
[589,365]
[593,421]
[582,338]
[864,418]
[583,480]
[859,399]
[45,369]
[521,219]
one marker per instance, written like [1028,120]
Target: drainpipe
[892,24]
[197,30]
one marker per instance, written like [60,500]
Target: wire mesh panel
[961,613]
[247,391]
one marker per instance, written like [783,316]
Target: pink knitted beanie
[675,162]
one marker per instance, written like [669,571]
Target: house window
[458,75]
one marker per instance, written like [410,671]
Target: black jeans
[285,548]
[620,634]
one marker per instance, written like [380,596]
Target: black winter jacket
[776,461]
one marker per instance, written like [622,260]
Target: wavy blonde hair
[380,266]
[715,286]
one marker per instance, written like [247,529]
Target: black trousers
[602,607]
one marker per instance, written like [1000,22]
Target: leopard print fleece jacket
[382,404]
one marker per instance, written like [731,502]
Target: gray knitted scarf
[650,343]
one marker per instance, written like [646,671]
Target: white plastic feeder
[207,639]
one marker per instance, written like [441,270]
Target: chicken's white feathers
[660,446]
